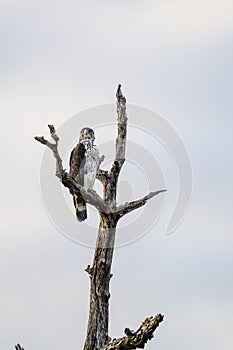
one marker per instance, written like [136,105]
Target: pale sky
[60,58]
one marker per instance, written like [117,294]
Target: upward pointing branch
[54,149]
[110,193]
[122,128]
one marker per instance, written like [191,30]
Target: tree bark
[100,272]
[100,275]
[97,337]
[138,338]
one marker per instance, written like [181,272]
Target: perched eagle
[84,163]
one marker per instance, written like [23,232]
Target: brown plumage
[77,160]
[78,169]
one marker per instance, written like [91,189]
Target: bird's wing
[77,162]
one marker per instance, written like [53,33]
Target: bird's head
[87,135]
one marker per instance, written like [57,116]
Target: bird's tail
[81,207]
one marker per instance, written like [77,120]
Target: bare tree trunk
[100,272]
[100,275]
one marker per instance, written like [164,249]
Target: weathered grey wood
[128,207]
[97,337]
[100,272]
[137,339]
[100,275]
[111,186]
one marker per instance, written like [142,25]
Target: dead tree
[110,213]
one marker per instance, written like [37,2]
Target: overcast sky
[60,58]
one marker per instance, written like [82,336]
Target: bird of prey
[84,164]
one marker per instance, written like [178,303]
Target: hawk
[84,163]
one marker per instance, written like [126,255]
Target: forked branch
[100,272]
[91,196]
